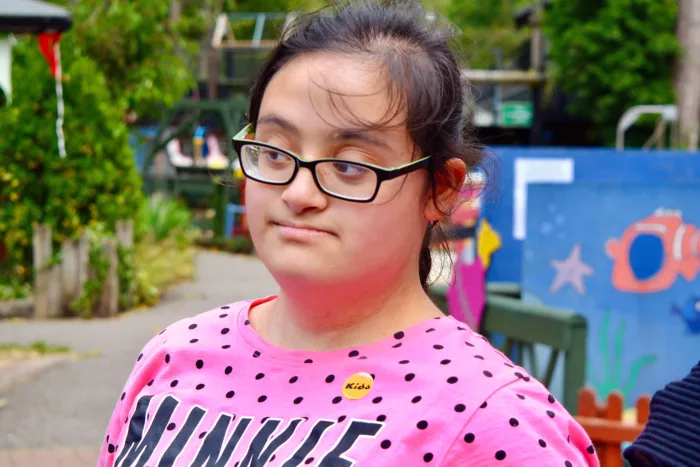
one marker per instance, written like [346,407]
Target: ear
[447,189]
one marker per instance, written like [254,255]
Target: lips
[299,228]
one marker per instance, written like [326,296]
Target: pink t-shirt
[208,391]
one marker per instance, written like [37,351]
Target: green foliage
[160,218]
[99,266]
[15,290]
[96,182]
[485,27]
[143,53]
[127,277]
[162,265]
[163,254]
[135,288]
[610,56]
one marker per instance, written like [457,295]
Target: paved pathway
[58,417]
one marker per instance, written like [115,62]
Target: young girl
[356,147]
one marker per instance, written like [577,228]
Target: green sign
[515,114]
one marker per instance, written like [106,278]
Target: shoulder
[522,424]
[478,369]
[518,421]
[511,418]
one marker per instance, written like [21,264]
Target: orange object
[678,253]
[605,427]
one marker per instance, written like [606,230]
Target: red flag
[47,43]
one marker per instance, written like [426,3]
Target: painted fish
[690,312]
[653,252]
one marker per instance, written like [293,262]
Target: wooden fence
[57,285]
[605,425]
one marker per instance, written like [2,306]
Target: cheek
[388,229]
[258,198]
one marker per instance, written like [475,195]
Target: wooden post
[69,273]
[55,291]
[43,275]
[125,233]
[108,303]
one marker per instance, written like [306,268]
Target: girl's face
[305,236]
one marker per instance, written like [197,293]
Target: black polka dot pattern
[437,382]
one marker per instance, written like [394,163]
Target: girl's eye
[274,156]
[344,168]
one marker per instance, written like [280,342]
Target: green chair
[523,325]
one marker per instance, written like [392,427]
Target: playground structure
[191,154]
[669,117]
[607,425]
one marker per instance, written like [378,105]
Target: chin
[299,268]
[298,264]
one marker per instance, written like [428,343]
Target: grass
[39,349]
[34,350]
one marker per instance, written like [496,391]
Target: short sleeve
[146,366]
[521,424]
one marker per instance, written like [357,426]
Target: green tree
[96,182]
[484,27]
[609,56]
[145,48]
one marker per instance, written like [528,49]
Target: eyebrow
[346,134]
[360,135]
[274,119]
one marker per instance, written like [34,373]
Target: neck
[328,318]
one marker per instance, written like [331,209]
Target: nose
[303,195]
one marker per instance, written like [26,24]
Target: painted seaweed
[612,376]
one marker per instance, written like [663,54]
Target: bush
[159,265]
[609,56]
[97,182]
[15,290]
[159,218]
[163,254]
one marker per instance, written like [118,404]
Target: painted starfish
[571,271]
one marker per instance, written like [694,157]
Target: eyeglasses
[342,179]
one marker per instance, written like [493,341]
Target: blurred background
[576,250]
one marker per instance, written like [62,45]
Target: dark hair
[422,74]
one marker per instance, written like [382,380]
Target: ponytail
[425,261]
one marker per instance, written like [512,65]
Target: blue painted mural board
[592,165]
[627,257]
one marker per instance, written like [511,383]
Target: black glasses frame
[383,174]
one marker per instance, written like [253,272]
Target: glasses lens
[267,164]
[346,179]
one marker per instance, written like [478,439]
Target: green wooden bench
[523,325]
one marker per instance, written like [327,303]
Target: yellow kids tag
[358,386]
